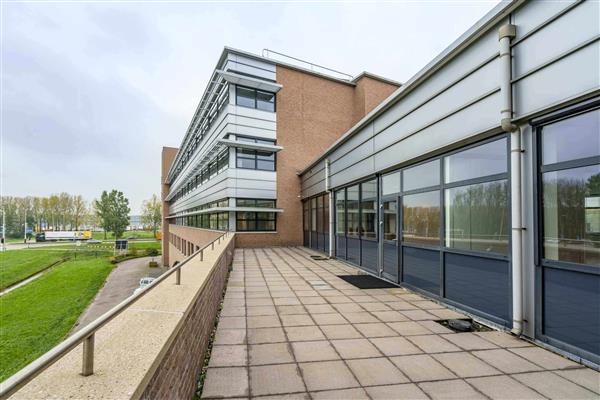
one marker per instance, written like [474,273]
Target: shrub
[152,252]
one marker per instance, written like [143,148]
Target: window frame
[255,155]
[255,91]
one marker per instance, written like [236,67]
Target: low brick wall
[177,375]
[197,236]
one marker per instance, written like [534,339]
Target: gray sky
[92,91]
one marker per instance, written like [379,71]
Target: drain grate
[464,325]
[319,258]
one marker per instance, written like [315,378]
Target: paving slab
[275,379]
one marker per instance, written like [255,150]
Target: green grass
[36,317]
[16,265]
[137,234]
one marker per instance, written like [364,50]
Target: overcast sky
[92,91]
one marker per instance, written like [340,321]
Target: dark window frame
[254,154]
[255,98]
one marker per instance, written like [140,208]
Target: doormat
[366,282]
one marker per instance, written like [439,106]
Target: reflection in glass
[390,183]
[421,218]
[389,220]
[352,211]
[340,208]
[326,213]
[477,217]
[313,214]
[265,101]
[244,97]
[572,138]
[320,214]
[421,176]
[484,160]
[368,209]
[571,204]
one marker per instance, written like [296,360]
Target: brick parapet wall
[178,372]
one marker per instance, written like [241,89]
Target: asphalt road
[121,283]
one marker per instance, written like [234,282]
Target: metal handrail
[86,334]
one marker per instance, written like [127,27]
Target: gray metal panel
[557,37]
[532,14]
[358,170]
[250,66]
[564,79]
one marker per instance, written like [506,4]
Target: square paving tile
[376,371]
[389,316]
[232,322]
[266,335]
[585,377]
[314,351]
[296,320]
[286,301]
[503,339]
[506,361]
[377,306]
[401,305]
[286,310]
[348,307]
[554,387]
[355,348]
[313,300]
[544,358]
[231,311]
[345,331]
[360,317]
[503,387]
[303,333]
[329,319]
[266,321]
[319,309]
[226,382]
[418,315]
[228,356]
[409,328]
[432,343]
[422,367]
[261,310]
[395,346]
[326,375]
[270,353]
[455,389]
[263,301]
[469,341]
[349,394]
[403,391]
[230,336]
[373,330]
[275,379]
[465,365]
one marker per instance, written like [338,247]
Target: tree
[113,212]
[79,211]
[152,212]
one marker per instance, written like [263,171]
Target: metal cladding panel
[571,306]
[480,283]
[478,117]
[352,157]
[369,255]
[557,37]
[421,268]
[314,190]
[533,13]
[252,66]
[316,175]
[467,90]
[214,189]
[347,147]
[472,57]
[359,170]
[243,118]
[566,78]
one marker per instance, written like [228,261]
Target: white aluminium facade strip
[255,83]
[251,146]
[227,209]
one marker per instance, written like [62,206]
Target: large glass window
[390,183]
[421,176]
[255,221]
[484,160]
[313,214]
[326,213]
[571,203]
[306,216]
[255,159]
[340,212]
[253,98]
[368,208]
[353,222]
[571,189]
[477,217]
[421,218]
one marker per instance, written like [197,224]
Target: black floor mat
[366,282]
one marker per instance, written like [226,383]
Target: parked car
[143,283]
[94,241]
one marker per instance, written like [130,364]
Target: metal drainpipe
[331,210]
[505,34]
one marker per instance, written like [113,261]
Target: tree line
[64,211]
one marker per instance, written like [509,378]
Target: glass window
[421,218]
[340,209]
[477,217]
[265,101]
[390,183]
[306,216]
[422,176]
[320,214]
[573,138]
[352,211]
[571,207]
[389,220]
[368,207]
[245,97]
[313,214]
[326,213]
[255,221]
[487,159]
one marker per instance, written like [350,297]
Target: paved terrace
[290,327]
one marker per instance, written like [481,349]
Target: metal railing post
[87,368]
[212,245]
[202,255]
[178,276]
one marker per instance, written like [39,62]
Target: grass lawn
[16,265]
[137,234]
[37,316]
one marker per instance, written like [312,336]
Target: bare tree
[79,209]
[152,213]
